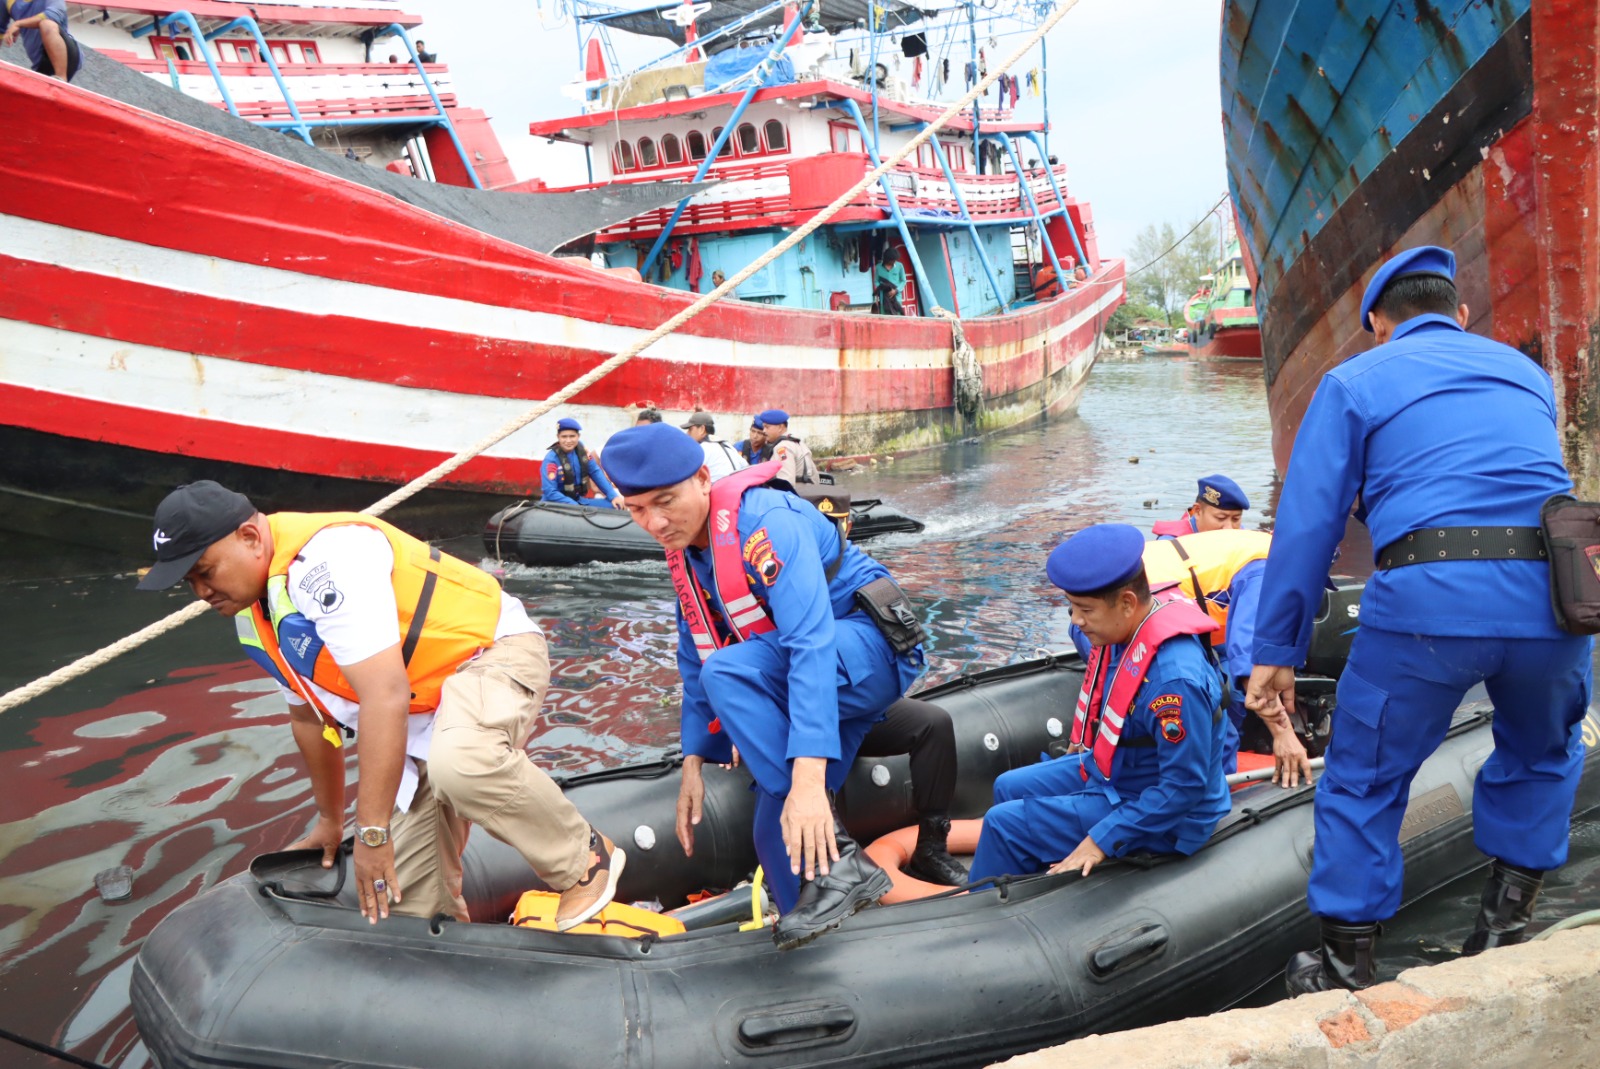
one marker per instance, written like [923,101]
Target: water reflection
[177,762]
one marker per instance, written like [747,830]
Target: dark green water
[177,761]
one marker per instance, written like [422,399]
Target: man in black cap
[349,615]
[721,458]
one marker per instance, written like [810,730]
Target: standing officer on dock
[1446,444]
[569,471]
[1219,505]
[779,657]
[362,625]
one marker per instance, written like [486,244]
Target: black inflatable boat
[274,968]
[549,535]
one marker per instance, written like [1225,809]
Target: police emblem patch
[1167,705]
[759,554]
[1172,728]
[1213,496]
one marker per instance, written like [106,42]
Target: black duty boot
[853,882]
[1345,960]
[1507,906]
[931,861]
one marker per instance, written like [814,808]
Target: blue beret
[567,423]
[1426,260]
[756,424]
[649,457]
[773,415]
[1096,557]
[1221,492]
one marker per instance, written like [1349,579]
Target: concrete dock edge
[1535,1006]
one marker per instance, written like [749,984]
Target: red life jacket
[1101,721]
[742,612]
[1183,525]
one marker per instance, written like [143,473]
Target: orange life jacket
[448,611]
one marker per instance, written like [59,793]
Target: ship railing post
[1033,206]
[716,146]
[929,301]
[972,225]
[185,18]
[266,54]
[1033,135]
[444,116]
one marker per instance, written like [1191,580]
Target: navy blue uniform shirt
[1436,428]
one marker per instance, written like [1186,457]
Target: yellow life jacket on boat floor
[537,909]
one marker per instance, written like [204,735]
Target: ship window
[696,142]
[625,161]
[727,146]
[671,150]
[749,140]
[647,153]
[309,52]
[777,136]
[280,52]
[244,53]
[841,137]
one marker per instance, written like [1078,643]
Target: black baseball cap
[189,521]
[700,419]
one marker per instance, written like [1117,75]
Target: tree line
[1161,289]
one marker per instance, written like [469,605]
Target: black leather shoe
[931,861]
[1507,906]
[853,882]
[1345,960]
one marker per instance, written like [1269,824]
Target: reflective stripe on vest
[1099,723]
[447,611]
[741,609]
[1204,565]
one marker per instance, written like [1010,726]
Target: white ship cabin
[349,76]
[980,220]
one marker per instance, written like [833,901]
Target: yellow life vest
[448,611]
[1204,564]
[537,909]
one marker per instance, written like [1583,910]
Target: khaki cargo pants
[478,773]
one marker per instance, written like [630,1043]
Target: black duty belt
[1464,543]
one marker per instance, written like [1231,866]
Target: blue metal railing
[977,239]
[248,23]
[1033,207]
[186,19]
[1033,135]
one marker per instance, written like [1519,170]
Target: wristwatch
[374,836]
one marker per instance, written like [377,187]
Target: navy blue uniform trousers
[1396,698]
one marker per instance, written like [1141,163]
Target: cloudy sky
[1134,98]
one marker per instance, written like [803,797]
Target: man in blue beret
[570,473]
[795,456]
[1145,769]
[752,446]
[1219,505]
[778,658]
[1446,440]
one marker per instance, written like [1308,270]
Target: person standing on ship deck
[569,471]
[798,464]
[1435,436]
[363,626]
[42,25]
[1219,505]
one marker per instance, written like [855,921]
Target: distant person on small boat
[781,654]
[569,471]
[751,448]
[721,458]
[1219,505]
[42,25]
[1145,772]
[1446,440]
[798,464]
[889,280]
[364,627]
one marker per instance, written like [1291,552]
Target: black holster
[1572,540]
[887,605]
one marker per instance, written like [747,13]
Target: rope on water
[88,663]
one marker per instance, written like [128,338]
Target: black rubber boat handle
[795,1026]
[1138,944]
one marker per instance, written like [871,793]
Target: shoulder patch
[1167,702]
[760,556]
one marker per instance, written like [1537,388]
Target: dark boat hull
[1356,129]
[547,534]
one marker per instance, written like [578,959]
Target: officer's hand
[1270,692]
[808,820]
[325,835]
[618,503]
[1076,747]
[734,762]
[1290,763]
[1084,857]
[691,797]
[375,879]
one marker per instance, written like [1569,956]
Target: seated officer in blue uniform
[1219,505]
[776,657]
[1143,777]
[1441,437]
[569,470]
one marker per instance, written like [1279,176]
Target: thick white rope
[94,660]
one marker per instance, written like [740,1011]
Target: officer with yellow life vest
[792,643]
[1219,504]
[364,627]
[1145,770]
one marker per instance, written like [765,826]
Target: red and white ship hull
[178,305]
